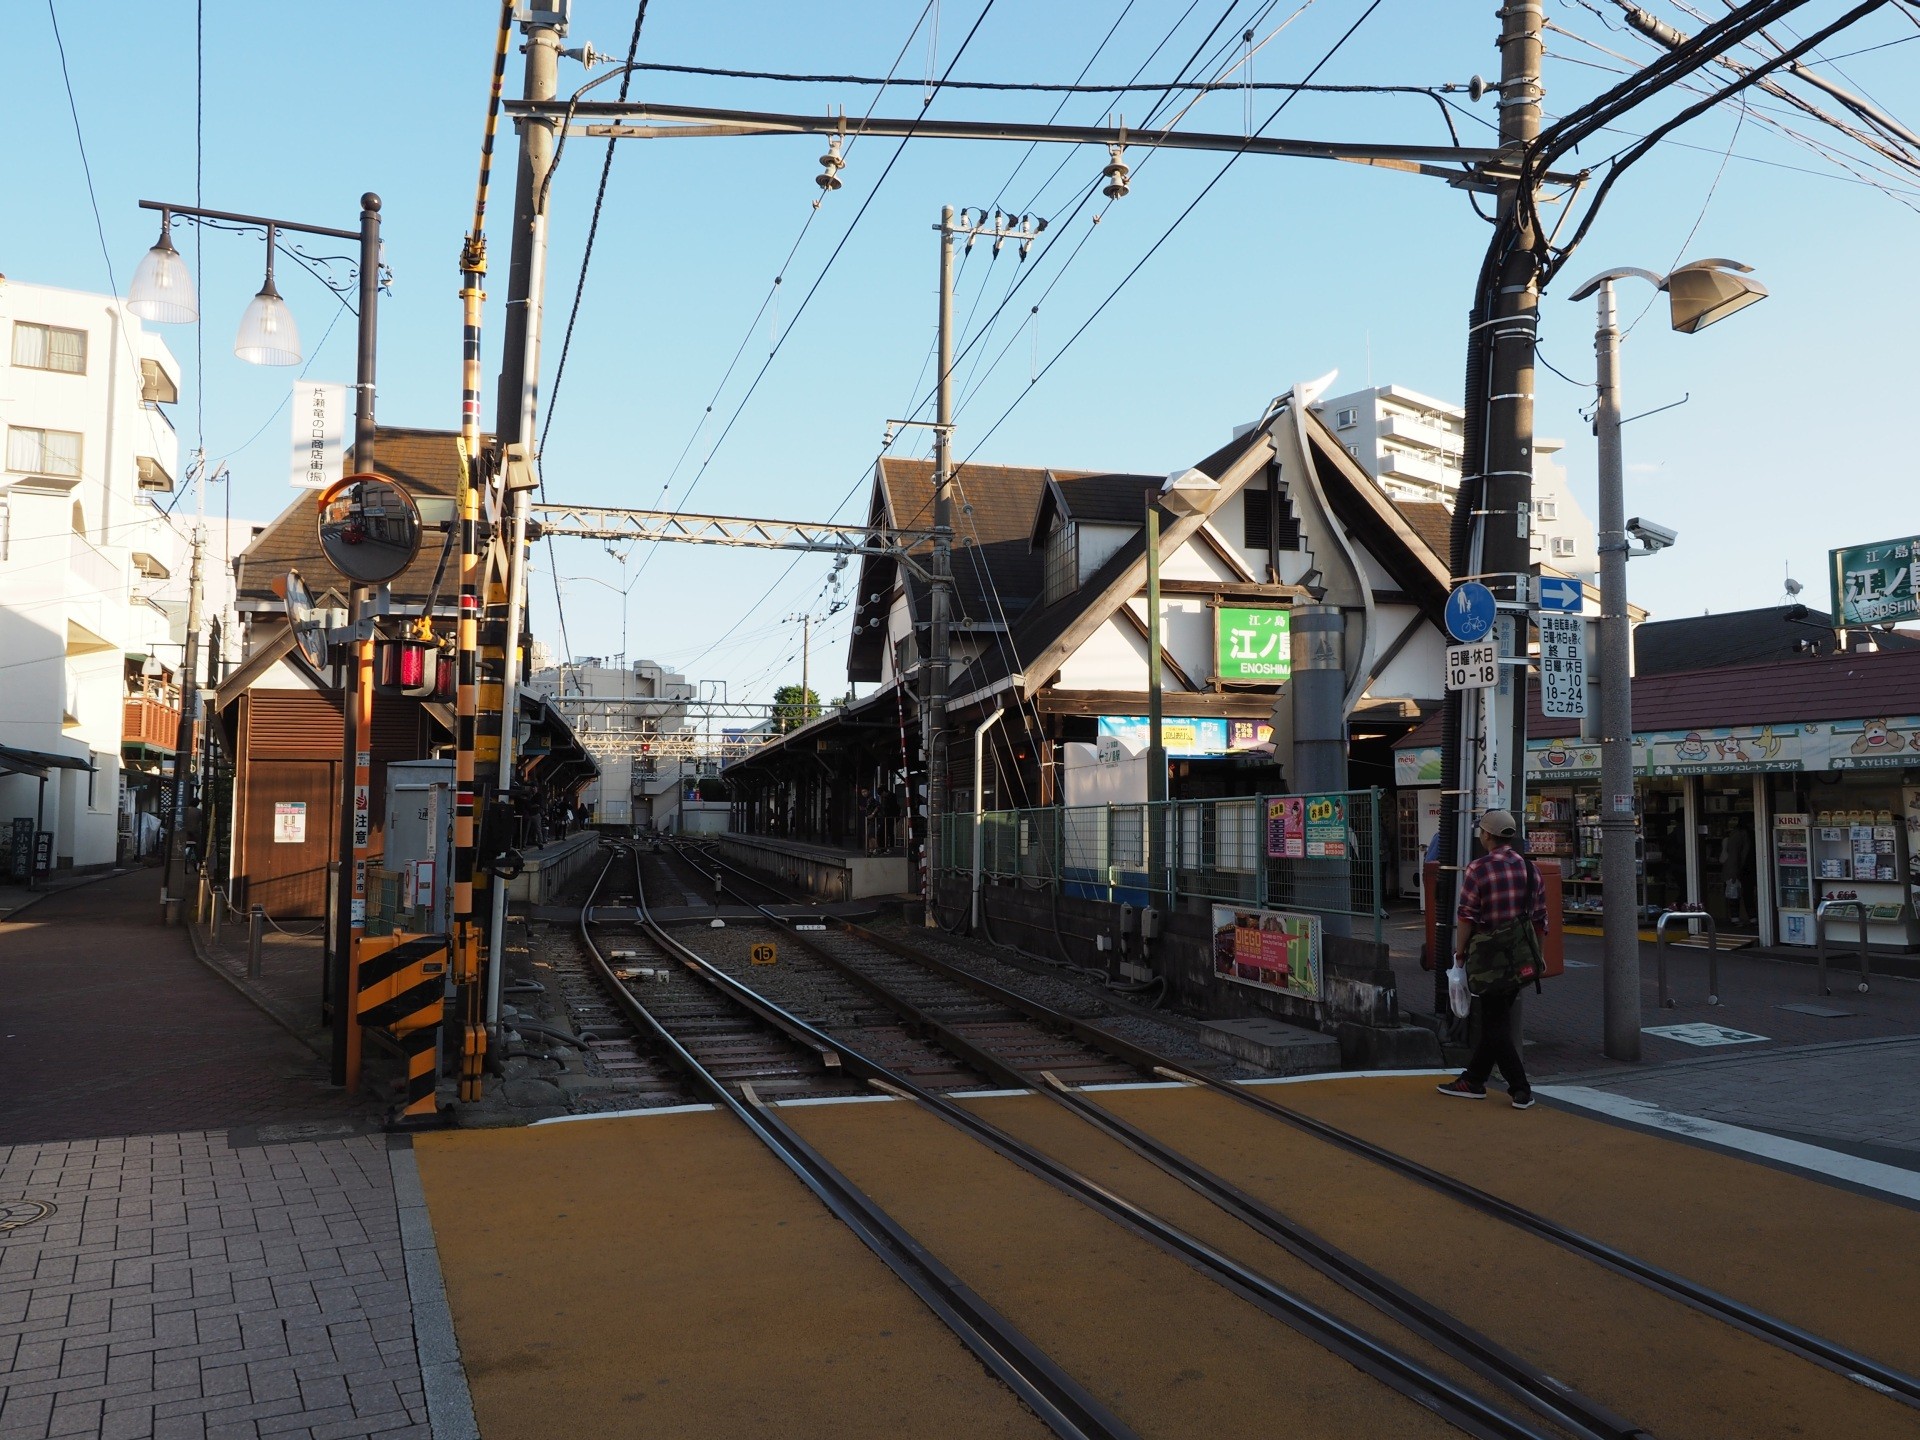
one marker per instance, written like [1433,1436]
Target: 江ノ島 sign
[1270,949]
[1876,584]
[1252,645]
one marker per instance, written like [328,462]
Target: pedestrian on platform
[1501,897]
[869,809]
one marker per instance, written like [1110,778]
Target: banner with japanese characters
[319,433]
[1252,645]
[1877,584]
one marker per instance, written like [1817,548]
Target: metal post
[256,927]
[1318,689]
[1619,892]
[1156,703]
[979,802]
[350,900]
[935,737]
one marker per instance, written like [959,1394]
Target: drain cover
[15,1213]
[1824,1012]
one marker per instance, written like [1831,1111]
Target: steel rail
[1061,1402]
[1493,1362]
[1367,1353]
[1783,1333]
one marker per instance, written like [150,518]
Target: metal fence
[1212,850]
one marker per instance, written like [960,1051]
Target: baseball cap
[1499,823]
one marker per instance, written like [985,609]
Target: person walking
[1499,891]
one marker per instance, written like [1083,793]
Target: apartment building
[83,386]
[632,718]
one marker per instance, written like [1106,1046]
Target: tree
[791,710]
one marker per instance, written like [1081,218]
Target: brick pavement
[198,1236]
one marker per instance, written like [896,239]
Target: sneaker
[1464,1088]
[1522,1099]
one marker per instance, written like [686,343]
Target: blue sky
[1287,269]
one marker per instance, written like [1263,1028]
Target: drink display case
[1793,877]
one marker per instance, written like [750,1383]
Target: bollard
[1820,913]
[1687,917]
[256,928]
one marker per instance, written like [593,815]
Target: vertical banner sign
[1326,827]
[1563,665]
[1286,828]
[319,433]
[1252,645]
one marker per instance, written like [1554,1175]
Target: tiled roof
[1107,499]
[1739,637]
[1851,686]
[1432,522]
[427,462]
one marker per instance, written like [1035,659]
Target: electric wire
[1122,88]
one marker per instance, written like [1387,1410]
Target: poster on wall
[1417,766]
[1268,949]
[1286,828]
[290,822]
[1326,827]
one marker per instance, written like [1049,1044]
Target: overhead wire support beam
[1465,167]
[593,522]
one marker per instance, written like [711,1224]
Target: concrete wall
[551,868]
[823,874]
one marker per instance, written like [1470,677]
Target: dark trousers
[1498,1044]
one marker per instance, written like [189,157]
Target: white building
[1411,444]
[633,720]
[81,386]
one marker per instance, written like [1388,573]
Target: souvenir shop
[1760,821]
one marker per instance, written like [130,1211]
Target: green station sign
[1877,584]
[1252,645]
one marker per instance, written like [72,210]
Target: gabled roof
[427,462]
[1092,500]
[994,567]
[1431,521]
[1044,638]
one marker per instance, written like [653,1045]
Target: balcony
[1423,433]
[150,720]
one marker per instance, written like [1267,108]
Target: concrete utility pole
[1156,716]
[806,649]
[1619,886]
[1507,493]
[936,671]
[189,696]
[515,412]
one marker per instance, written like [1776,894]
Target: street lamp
[162,291]
[1699,294]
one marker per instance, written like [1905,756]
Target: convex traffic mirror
[369,528]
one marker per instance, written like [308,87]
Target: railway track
[854,948]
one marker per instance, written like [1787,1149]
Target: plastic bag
[1457,998]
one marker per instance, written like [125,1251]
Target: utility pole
[514,413]
[806,647]
[1619,885]
[189,691]
[935,729]
[1156,705]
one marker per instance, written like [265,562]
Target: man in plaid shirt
[1493,894]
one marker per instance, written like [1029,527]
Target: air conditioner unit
[1563,545]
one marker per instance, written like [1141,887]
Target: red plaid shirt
[1493,891]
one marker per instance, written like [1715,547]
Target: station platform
[551,868]
[824,871]
[659,1273]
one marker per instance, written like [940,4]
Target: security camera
[1654,537]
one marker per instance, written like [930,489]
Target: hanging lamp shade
[1710,290]
[268,335]
[162,288]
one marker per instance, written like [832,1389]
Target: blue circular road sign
[1470,612]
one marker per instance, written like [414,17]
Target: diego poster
[1268,949]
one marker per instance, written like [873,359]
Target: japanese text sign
[1876,584]
[1252,645]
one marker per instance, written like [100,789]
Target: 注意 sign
[1252,645]
[1876,584]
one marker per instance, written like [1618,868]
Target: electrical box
[1150,922]
[1128,919]
[419,838]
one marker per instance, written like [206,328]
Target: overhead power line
[1125,87]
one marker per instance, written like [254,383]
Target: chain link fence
[1236,851]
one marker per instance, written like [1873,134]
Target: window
[1062,560]
[1270,521]
[1345,419]
[1563,545]
[49,347]
[1236,837]
[43,452]
[1546,509]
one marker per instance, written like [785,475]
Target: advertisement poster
[1326,827]
[1286,828]
[1270,949]
[1252,645]
[1182,737]
[290,822]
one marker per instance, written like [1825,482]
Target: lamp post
[162,291]
[1700,294]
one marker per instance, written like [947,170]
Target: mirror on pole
[308,630]
[369,528]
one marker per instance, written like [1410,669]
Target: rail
[1820,913]
[1713,952]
